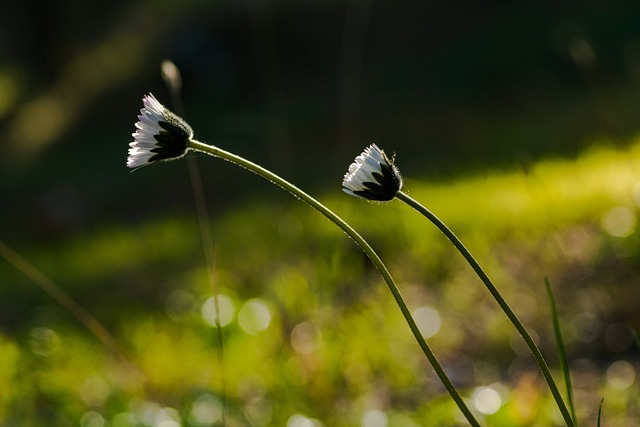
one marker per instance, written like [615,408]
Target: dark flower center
[172,139]
[387,184]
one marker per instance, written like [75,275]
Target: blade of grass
[76,310]
[600,411]
[562,354]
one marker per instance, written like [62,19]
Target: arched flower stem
[361,242]
[498,297]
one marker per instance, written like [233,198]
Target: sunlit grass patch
[550,195]
[294,288]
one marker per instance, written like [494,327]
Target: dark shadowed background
[301,87]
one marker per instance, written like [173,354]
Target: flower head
[372,176]
[160,135]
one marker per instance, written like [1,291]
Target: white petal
[369,163]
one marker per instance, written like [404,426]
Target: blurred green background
[515,122]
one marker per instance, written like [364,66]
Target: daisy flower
[372,176]
[160,135]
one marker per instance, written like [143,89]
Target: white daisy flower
[160,135]
[372,176]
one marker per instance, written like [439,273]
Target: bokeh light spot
[92,419]
[621,375]
[43,341]
[145,411]
[298,420]
[374,418]
[582,52]
[94,391]
[259,412]
[206,411]
[179,304]
[585,327]
[486,400]
[619,222]
[254,316]
[167,417]
[306,338]
[618,337]
[428,321]
[210,311]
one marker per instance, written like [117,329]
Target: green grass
[336,346]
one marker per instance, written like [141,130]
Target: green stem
[498,297]
[361,242]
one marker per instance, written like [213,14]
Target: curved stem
[498,297]
[361,242]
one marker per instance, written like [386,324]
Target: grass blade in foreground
[76,310]
[600,411]
[161,135]
[562,355]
